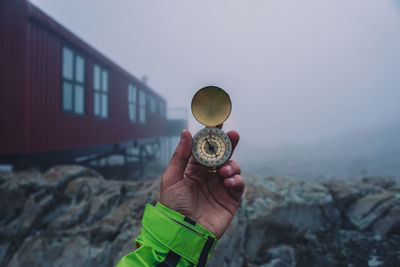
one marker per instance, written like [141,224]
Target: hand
[211,199]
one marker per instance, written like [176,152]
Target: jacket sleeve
[168,238]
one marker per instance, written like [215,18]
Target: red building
[57,93]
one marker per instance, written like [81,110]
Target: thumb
[179,160]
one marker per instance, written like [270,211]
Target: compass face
[211,147]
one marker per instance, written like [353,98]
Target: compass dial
[211,147]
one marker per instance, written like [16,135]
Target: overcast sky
[297,71]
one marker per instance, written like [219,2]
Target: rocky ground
[72,216]
[286,222]
[69,216]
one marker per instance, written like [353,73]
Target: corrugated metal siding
[12,80]
[42,88]
[31,113]
[52,129]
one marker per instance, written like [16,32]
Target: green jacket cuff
[165,227]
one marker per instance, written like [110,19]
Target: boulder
[367,210]
[69,216]
[343,193]
[281,255]
[333,223]
[281,210]
[395,188]
[381,182]
[389,222]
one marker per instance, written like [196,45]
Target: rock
[5,176]
[276,263]
[15,191]
[50,250]
[368,209]
[374,262]
[59,176]
[337,223]
[281,210]
[72,216]
[366,188]
[342,193]
[281,255]
[389,223]
[395,188]
[382,182]
[229,250]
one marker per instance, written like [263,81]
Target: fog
[313,83]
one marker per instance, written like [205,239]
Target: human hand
[211,199]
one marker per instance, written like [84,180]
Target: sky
[297,71]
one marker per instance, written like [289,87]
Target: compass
[212,147]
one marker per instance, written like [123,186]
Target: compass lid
[211,106]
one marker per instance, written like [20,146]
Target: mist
[313,83]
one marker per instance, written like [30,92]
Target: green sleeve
[168,238]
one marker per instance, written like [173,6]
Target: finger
[229,169]
[235,186]
[234,136]
[179,160]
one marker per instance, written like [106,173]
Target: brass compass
[212,147]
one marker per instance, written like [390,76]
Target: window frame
[132,102]
[101,92]
[73,82]
[152,104]
[142,106]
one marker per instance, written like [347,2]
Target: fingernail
[228,168]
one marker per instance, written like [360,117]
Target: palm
[201,195]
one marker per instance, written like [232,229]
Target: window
[100,85]
[142,106]
[132,96]
[73,86]
[161,108]
[152,104]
